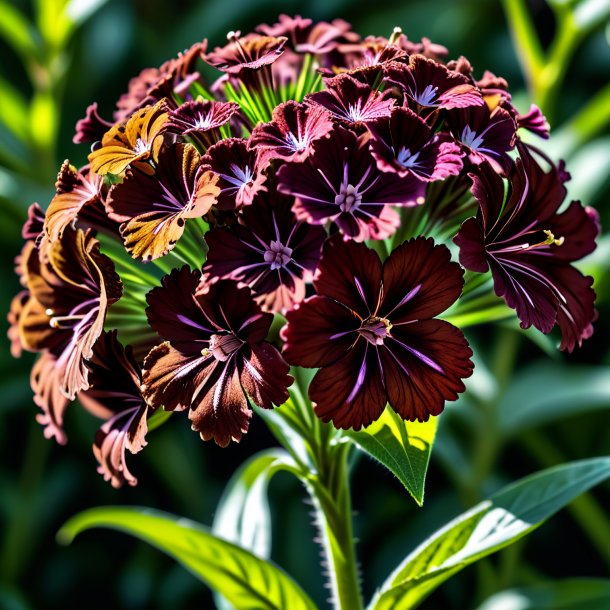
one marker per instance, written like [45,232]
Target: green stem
[530,55]
[330,492]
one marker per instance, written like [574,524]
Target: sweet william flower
[214,356]
[371,330]
[529,245]
[340,182]
[269,251]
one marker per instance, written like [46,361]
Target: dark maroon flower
[201,119]
[429,84]
[70,292]
[74,190]
[372,332]
[488,135]
[290,134]
[534,121]
[45,380]
[153,209]
[294,28]
[270,251]
[341,182]
[324,38]
[92,127]
[528,246]
[248,53]
[350,101]
[239,171]
[34,225]
[405,144]
[115,395]
[154,84]
[214,357]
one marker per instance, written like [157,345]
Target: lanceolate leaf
[247,582]
[572,594]
[243,515]
[401,446]
[495,523]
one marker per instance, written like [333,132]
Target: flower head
[529,245]
[372,332]
[341,182]
[269,250]
[214,356]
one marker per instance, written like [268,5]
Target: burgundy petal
[350,392]
[419,281]
[45,381]
[423,366]
[350,273]
[319,332]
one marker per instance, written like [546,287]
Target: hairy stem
[330,492]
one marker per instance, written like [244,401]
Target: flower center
[348,198]
[278,255]
[406,158]
[223,347]
[470,138]
[140,147]
[375,330]
[427,96]
[298,144]
[203,121]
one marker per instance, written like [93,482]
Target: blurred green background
[528,407]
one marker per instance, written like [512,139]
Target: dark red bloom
[92,127]
[115,396]
[70,292]
[294,28]
[214,356]
[529,246]
[350,101]
[290,134]
[405,144]
[341,182]
[429,84]
[154,209]
[270,251]
[239,170]
[248,53]
[75,190]
[534,121]
[372,332]
[487,134]
[201,119]
[324,38]
[154,84]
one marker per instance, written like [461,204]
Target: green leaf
[243,514]
[545,391]
[488,527]
[572,594]
[14,110]
[17,31]
[249,583]
[401,446]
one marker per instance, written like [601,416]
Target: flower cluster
[309,187]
